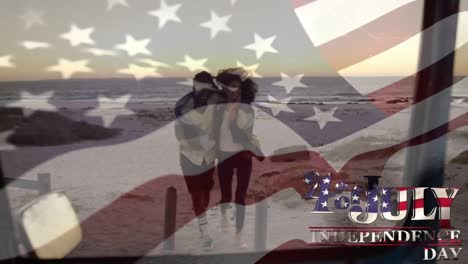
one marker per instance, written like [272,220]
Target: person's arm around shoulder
[245,117]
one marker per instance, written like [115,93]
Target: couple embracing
[215,129]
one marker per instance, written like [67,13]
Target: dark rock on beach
[48,129]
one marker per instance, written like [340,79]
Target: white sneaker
[228,217]
[225,222]
[207,243]
[240,242]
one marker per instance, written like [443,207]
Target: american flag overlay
[88,90]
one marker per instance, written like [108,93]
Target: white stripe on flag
[326,20]
[420,215]
[388,64]
[127,165]
[444,213]
[401,215]
[394,168]
[403,197]
[377,136]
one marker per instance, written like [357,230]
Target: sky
[290,50]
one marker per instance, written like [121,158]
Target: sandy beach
[117,182]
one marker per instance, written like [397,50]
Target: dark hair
[249,91]
[248,86]
[225,77]
[204,77]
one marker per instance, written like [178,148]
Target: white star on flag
[375,198]
[326,180]
[118,103]
[289,83]
[140,72]
[113,3]
[252,69]
[29,105]
[277,106]
[217,24]
[32,45]
[100,52]
[384,191]
[325,192]
[5,62]
[384,205]
[154,63]
[262,46]
[355,197]
[324,204]
[166,13]
[67,68]
[78,36]
[323,117]
[32,18]
[134,47]
[194,65]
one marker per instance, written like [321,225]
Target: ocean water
[318,90]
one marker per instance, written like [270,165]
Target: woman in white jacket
[237,144]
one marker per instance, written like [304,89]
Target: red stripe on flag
[405,88]
[375,161]
[375,37]
[401,189]
[133,223]
[419,203]
[445,223]
[445,202]
[299,3]
[402,206]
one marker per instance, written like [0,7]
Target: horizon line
[187,77]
